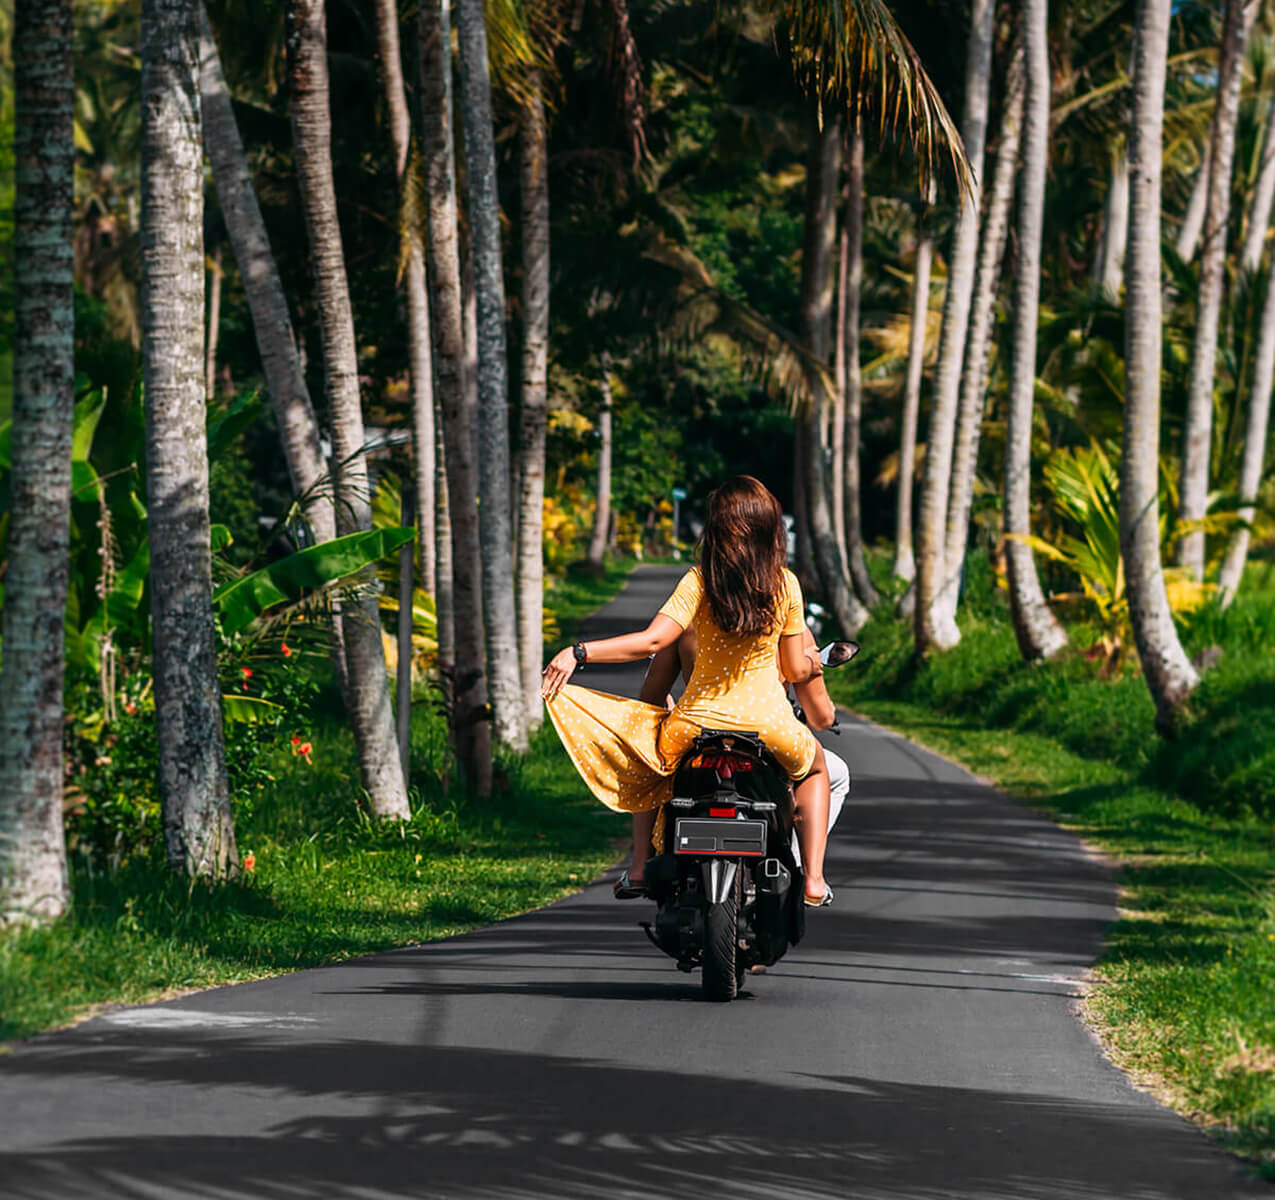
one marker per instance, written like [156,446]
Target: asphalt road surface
[921,1042]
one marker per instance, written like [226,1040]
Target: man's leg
[838,785]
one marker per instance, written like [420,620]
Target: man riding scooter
[812,702]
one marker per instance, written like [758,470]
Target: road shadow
[469,1122]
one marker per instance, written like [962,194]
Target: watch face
[579,653]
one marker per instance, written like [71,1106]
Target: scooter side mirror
[836,654]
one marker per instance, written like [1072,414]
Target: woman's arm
[628,647]
[812,694]
[798,663]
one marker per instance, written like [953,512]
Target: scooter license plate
[703,835]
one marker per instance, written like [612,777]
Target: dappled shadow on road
[469,1122]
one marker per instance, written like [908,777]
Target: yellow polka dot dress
[627,751]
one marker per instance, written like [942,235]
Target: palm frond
[855,49]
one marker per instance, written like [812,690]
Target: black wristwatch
[579,652]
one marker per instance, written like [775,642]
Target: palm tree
[198,827]
[822,171]
[1188,238]
[1169,675]
[1109,266]
[602,492]
[444,587]
[33,873]
[1038,631]
[271,322]
[418,334]
[471,730]
[1198,434]
[1256,429]
[991,253]
[367,693]
[848,496]
[508,705]
[935,614]
[1259,213]
[904,561]
[534,178]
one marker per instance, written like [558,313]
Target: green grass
[328,883]
[1184,998]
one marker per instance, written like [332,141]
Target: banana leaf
[240,601]
[248,710]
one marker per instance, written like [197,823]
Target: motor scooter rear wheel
[720,979]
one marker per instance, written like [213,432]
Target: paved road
[920,1043]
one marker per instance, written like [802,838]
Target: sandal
[626,889]
[823,900]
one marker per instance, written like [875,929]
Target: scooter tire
[721,948]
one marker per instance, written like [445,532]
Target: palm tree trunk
[602,508]
[444,604]
[418,335]
[823,169]
[368,694]
[804,548]
[33,874]
[215,275]
[1259,213]
[1169,675]
[194,794]
[508,707]
[535,396]
[935,625]
[1256,430]
[904,560]
[1188,238]
[847,491]
[471,730]
[969,420]
[838,439]
[1198,435]
[406,604]
[272,325]
[1038,632]
[1109,267]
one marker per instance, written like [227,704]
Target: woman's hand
[558,672]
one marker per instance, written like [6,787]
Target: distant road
[921,1043]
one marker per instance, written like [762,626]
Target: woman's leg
[643,824]
[811,795]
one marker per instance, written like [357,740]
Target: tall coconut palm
[1037,629]
[935,620]
[1109,265]
[602,492]
[1259,213]
[534,193]
[847,423]
[33,873]
[418,334]
[367,693]
[1198,434]
[1256,430]
[991,252]
[471,730]
[198,827]
[1169,674]
[904,559]
[508,706]
[444,587]
[271,322]
[822,172]
[1188,237]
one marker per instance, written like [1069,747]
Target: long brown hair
[742,553]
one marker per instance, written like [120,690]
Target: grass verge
[1185,984]
[327,882]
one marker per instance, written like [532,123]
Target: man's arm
[660,676]
[812,694]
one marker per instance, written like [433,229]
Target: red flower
[249,861]
[296,741]
[287,650]
[130,708]
[246,672]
